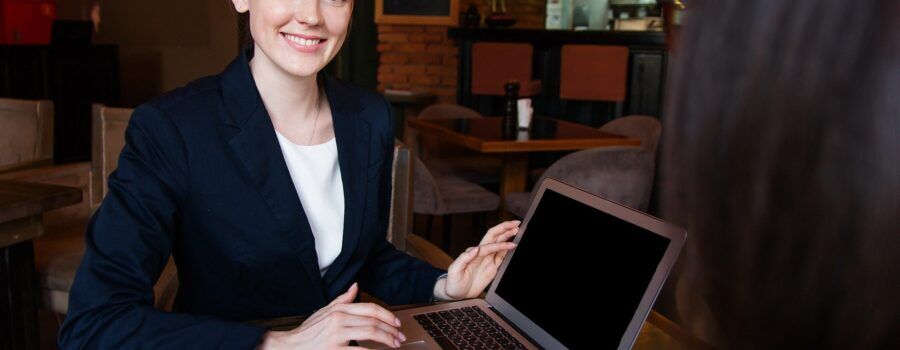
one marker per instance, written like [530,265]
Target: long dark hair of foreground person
[782,155]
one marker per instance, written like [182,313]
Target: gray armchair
[645,128]
[446,195]
[620,174]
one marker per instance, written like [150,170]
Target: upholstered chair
[26,134]
[621,174]
[446,195]
[58,253]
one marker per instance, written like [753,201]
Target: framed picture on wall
[427,12]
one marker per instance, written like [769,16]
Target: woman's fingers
[342,321]
[350,320]
[347,297]
[368,310]
[508,234]
[498,259]
[369,333]
[458,265]
[496,231]
[491,248]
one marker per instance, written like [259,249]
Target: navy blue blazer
[202,178]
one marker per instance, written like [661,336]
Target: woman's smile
[299,37]
[303,43]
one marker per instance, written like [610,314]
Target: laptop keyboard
[466,328]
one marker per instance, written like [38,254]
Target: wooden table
[658,332]
[485,135]
[21,208]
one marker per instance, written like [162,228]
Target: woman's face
[299,36]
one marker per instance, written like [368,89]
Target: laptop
[585,274]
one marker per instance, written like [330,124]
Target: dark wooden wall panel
[73,78]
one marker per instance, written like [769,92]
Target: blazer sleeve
[128,243]
[389,274]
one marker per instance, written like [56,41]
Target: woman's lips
[303,43]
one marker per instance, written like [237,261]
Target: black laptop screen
[580,273]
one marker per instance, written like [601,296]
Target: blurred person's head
[782,151]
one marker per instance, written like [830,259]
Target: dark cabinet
[22,72]
[73,77]
[645,82]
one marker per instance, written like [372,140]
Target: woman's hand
[335,325]
[475,268]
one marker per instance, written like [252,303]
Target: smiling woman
[269,184]
[281,28]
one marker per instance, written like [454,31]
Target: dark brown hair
[244,37]
[782,147]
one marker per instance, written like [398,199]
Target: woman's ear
[241,6]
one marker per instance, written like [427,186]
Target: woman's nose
[307,12]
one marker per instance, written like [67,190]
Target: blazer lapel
[256,148]
[353,136]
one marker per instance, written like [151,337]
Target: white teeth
[301,41]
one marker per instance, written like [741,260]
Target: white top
[317,178]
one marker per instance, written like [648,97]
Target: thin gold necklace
[316,121]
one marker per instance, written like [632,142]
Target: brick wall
[423,58]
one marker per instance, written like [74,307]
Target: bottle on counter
[473,17]
[554,18]
[511,113]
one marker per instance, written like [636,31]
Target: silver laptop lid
[579,253]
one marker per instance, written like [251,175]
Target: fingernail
[397,321]
[396,343]
[402,336]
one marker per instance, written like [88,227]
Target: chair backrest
[494,64]
[621,174]
[109,125]
[593,73]
[647,129]
[427,196]
[426,251]
[108,140]
[401,217]
[26,133]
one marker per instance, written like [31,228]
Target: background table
[485,135]
[658,332]
[401,101]
[21,208]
